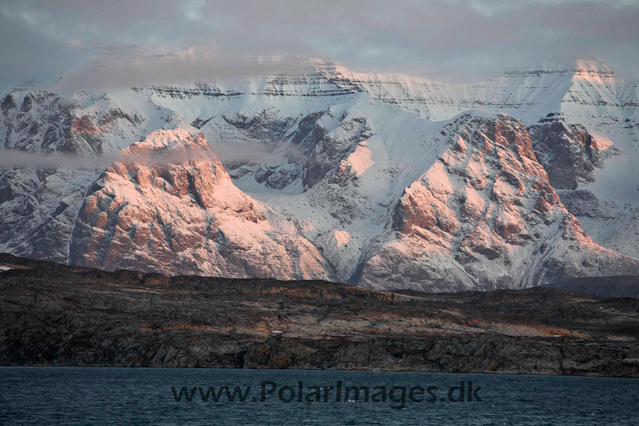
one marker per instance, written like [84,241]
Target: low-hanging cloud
[241,152]
[10,158]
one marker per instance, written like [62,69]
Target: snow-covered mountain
[387,181]
[179,213]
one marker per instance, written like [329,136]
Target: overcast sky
[449,40]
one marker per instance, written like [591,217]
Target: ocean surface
[86,396]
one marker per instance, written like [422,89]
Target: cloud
[451,40]
[247,152]
[130,67]
[241,152]
[22,159]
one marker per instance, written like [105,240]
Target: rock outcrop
[568,153]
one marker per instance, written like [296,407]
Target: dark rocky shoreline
[61,315]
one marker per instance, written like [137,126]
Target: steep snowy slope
[582,93]
[484,216]
[344,171]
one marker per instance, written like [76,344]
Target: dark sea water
[85,396]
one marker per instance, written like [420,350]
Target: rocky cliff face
[170,206]
[378,180]
[569,153]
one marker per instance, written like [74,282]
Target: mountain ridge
[343,148]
